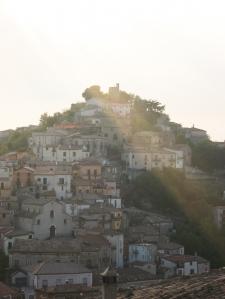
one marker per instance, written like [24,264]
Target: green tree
[208,156]
[188,203]
[92,92]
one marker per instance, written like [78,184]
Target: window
[3,215]
[38,221]
[85,280]
[65,221]
[9,245]
[45,181]
[52,214]
[192,271]
[64,154]
[115,137]
[61,181]
[2,186]
[70,281]
[44,283]
[58,282]
[74,154]
[95,172]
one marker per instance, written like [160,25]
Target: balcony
[62,183]
[156,160]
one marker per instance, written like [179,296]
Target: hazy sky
[172,51]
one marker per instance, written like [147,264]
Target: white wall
[77,279]
[64,155]
[142,253]
[117,243]
[62,190]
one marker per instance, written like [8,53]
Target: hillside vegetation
[188,203]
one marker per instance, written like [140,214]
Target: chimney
[109,283]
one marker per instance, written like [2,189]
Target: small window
[3,215]
[38,222]
[58,282]
[44,283]
[9,245]
[65,221]
[85,280]
[115,137]
[2,186]
[52,214]
[64,154]
[61,181]
[74,154]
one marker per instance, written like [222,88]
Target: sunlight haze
[171,51]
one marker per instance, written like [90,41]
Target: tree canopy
[188,203]
[208,156]
[93,91]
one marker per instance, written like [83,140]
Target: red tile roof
[6,290]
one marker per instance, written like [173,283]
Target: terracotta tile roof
[54,268]
[207,286]
[183,258]
[6,290]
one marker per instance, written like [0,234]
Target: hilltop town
[87,199]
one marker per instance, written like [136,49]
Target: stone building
[92,251]
[46,218]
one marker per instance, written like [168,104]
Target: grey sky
[172,51]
